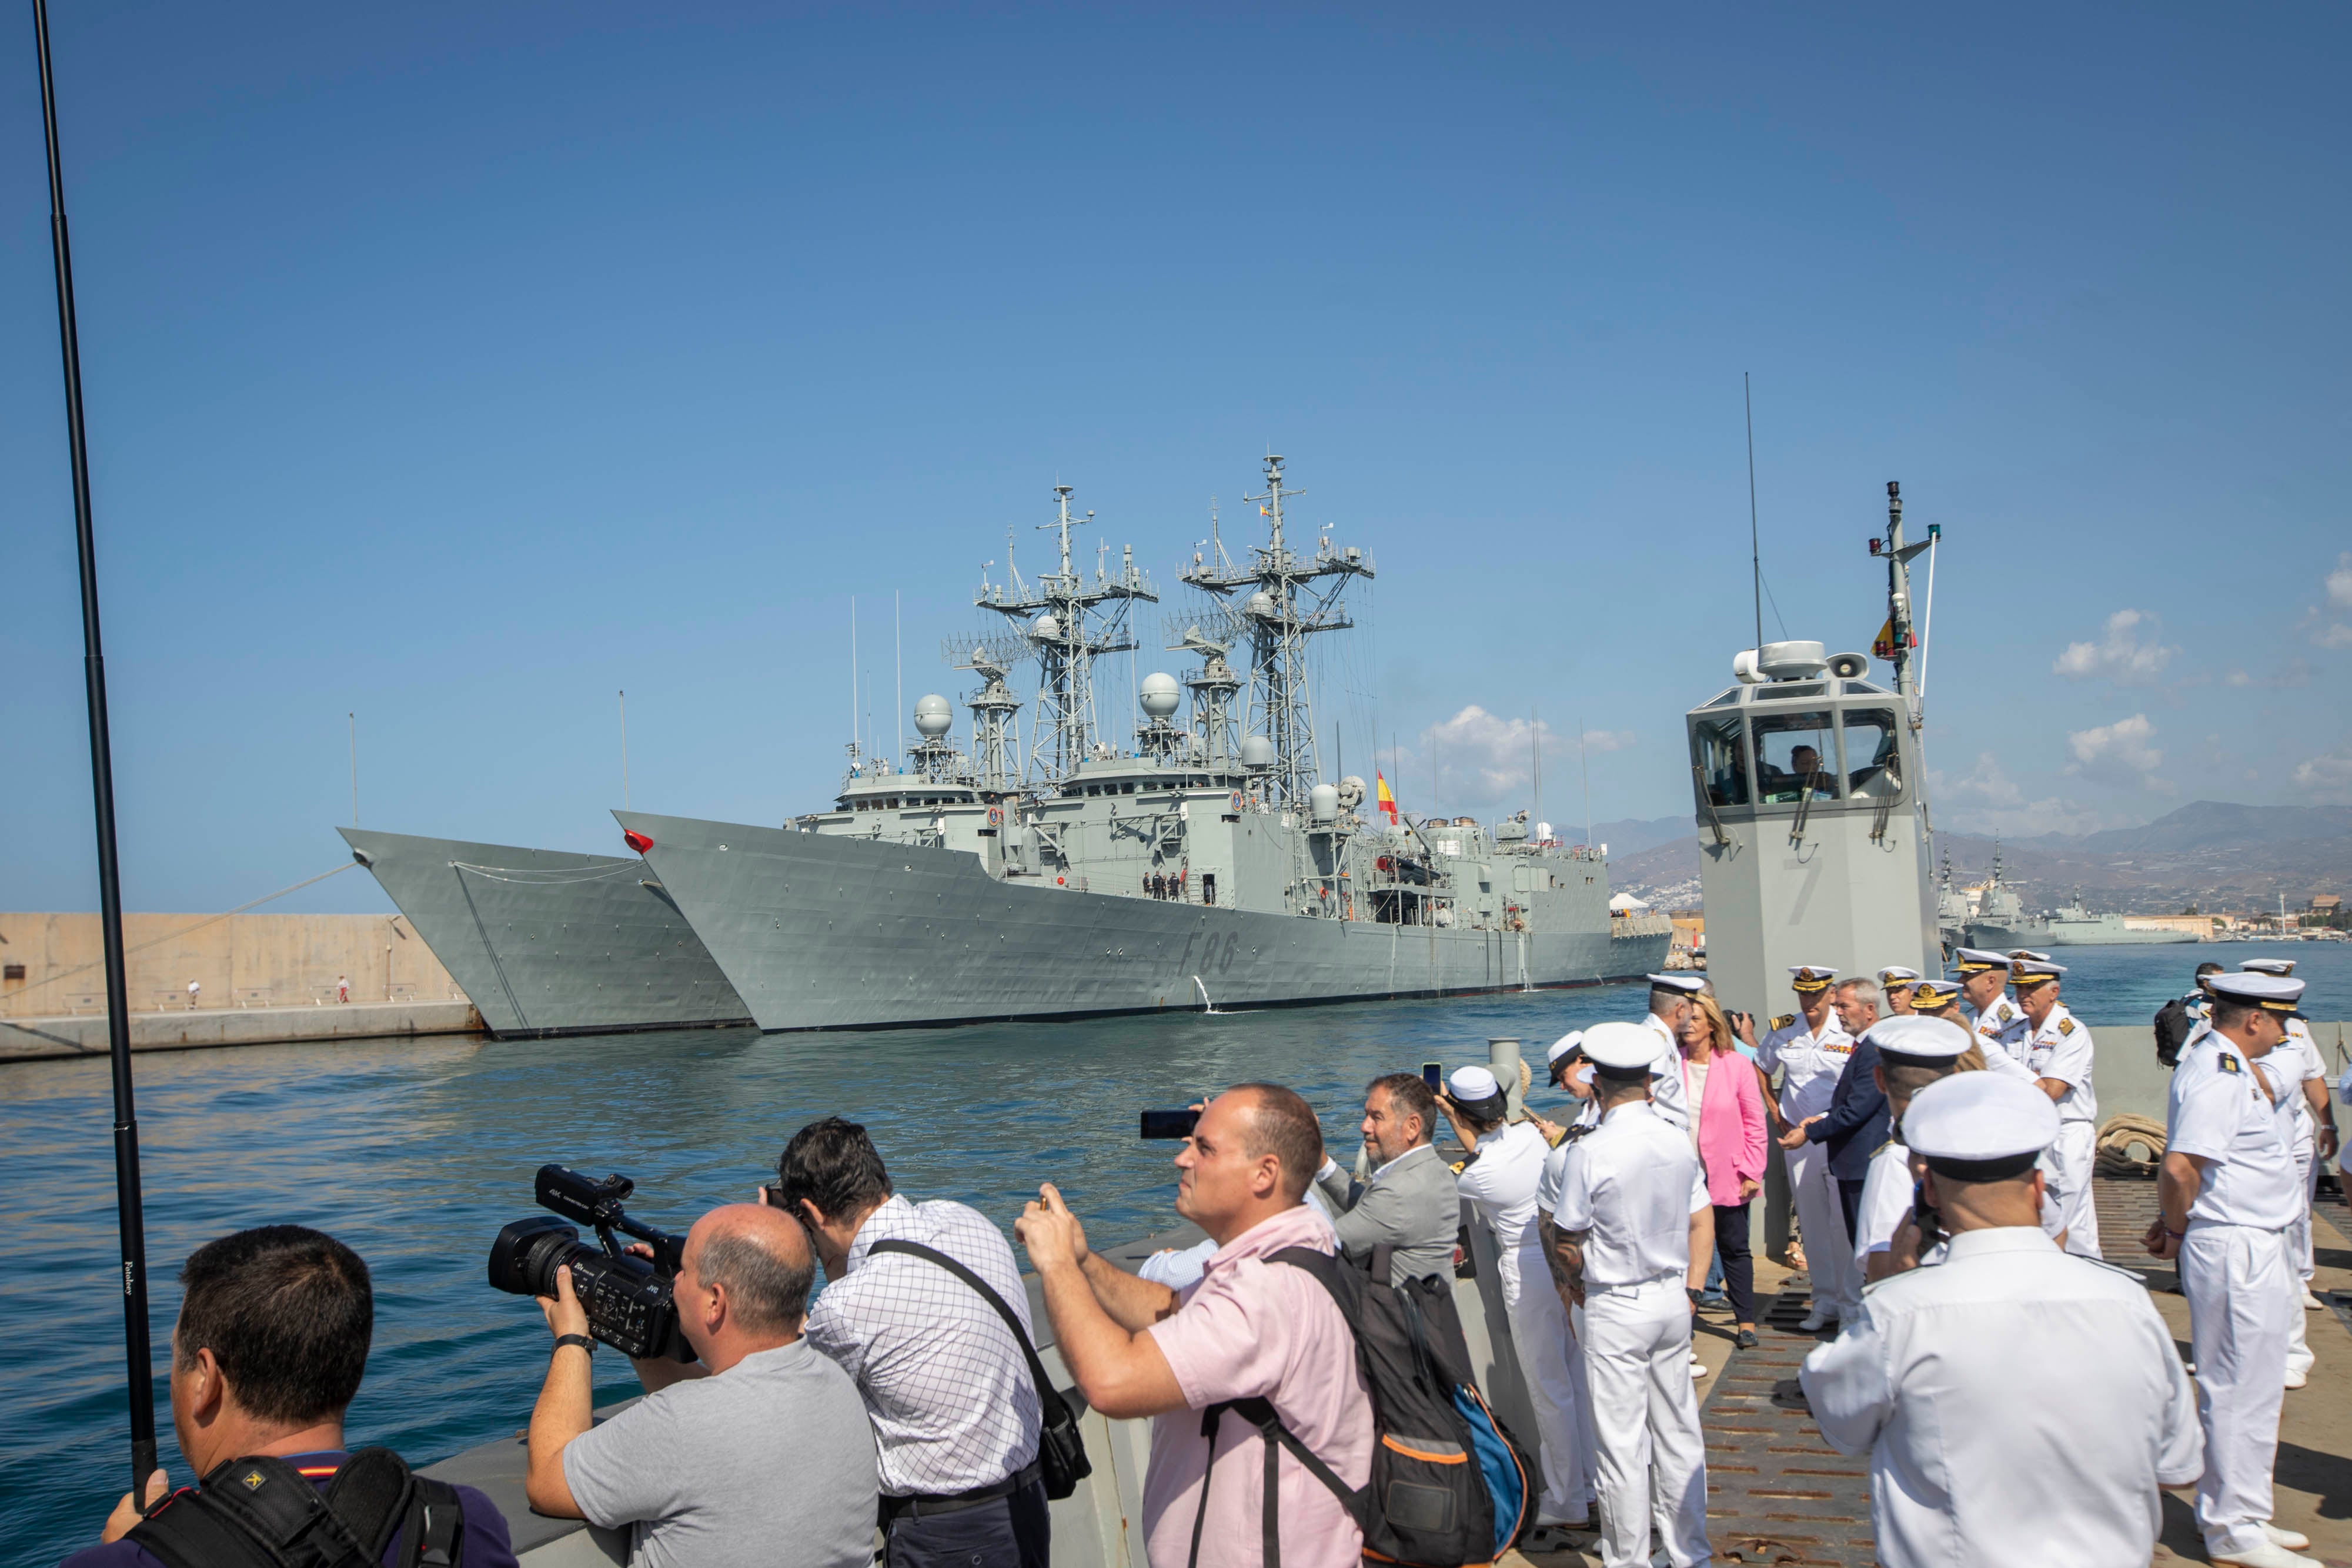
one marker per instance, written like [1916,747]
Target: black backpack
[1449,1485]
[2174,1023]
[265,1513]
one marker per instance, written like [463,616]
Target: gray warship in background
[546,942]
[2000,923]
[1213,867]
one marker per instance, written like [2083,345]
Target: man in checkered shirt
[947,1387]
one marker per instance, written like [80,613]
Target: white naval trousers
[2074,1159]
[1820,1215]
[2236,1279]
[1539,1336]
[1650,1459]
[2300,1264]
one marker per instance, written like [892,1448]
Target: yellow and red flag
[1387,800]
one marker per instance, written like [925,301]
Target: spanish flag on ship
[1387,800]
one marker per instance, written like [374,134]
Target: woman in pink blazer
[1728,1133]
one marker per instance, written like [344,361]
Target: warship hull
[2006,936]
[545,941]
[817,931]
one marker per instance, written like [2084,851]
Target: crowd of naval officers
[2019,1399]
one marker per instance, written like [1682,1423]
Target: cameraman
[948,1388]
[267,1355]
[758,1455]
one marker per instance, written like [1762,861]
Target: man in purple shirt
[267,1354]
[1247,1328]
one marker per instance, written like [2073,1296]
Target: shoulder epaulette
[1882,1148]
[2228,1063]
[2065,1026]
[1784,1021]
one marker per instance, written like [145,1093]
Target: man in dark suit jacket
[1410,1204]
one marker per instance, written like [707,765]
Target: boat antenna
[624,748]
[129,1218]
[355,720]
[897,672]
[1755,550]
[853,681]
[1585,766]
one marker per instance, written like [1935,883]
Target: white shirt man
[1500,1185]
[1669,1001]
[1984,986]
[2296,1068]
[1808,1049]
[2058,1052]
[1632,1196]
[2227,1191]
[1962,1379]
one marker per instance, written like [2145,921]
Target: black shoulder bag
[1062,1459]
[265,1513]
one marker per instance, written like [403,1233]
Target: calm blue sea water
[416,1153]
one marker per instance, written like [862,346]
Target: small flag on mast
[1387,800]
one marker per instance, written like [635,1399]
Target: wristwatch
[582,1340]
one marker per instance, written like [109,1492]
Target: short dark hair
[767,1291]
[287,1312]
[1408,1096]
[2228,1012]
[1282,1125]
[2208,968]
[834,1165]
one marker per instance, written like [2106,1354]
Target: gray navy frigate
[1211,866]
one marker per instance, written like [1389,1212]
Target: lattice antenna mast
[1213,686]
[1291,599]
[995,755]
[1070,620]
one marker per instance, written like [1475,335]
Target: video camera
[629,1299]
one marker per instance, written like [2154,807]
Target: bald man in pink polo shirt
[1246,1329]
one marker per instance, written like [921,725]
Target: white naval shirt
[1666,1076]
[1634,1182]
[2218,1111]
[1501,1181]
[1966,1382]
[2002,1027]
[1809,1062]
[2061,1048]
[2292,1063]
[1889,1192]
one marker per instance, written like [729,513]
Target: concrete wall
[240,960]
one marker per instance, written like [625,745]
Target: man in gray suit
[1410,1203]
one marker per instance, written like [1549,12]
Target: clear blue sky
[461,365]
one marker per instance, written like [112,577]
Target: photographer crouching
[267,1354]
[757,1453]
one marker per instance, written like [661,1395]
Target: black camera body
[629,1299]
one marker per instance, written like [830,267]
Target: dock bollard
[1503,1056]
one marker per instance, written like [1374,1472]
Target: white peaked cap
[1621,1046]
[1980,1116]
[1912,1034]
[2278,992]
[1564,1044]
[2268,966]
[1468,1085]
[1694,984]
[1894,972]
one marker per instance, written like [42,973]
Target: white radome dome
[1260,603]
[933,717]
[1257,751]
[1161,695]
[1046,630]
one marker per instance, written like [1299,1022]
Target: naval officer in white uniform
[2057,1050]
[2019,1405]
[1895,983]
[1499,1182]
[1670,1003]
[1808,1049]
[2297,1064]
[1633,1218]
[1984,986]
[1912,1051]
[2227,1193]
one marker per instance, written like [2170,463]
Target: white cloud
[1604,739]
[2124,655]
[1481,759]
[2119,754]
[2335,636]
[2339,583]
[2327,775]
[2293,672]
[1985,800]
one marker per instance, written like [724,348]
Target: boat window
[1873,763]
[1728,699]
[1795,756]
[1128,788]
[1776,692]
[1865,687]
[1722,757]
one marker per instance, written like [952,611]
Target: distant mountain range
[2214,854]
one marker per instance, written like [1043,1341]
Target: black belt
[922,1505]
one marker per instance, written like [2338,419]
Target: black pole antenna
[102,776]
[1755,551]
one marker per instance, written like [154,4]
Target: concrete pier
[42,1038]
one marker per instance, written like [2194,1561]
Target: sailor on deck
[1632,1216]
[2018,1404]
[1670,1002]
[1895,983]
[2302,1079]
[1808,1050]
[2057,1049]
[1984,986]
[1909,1050]
[2227,1194]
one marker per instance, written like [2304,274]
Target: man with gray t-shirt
[759,1454]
